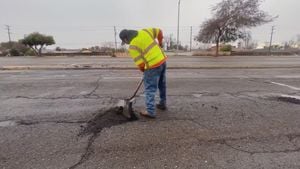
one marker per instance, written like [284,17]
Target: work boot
[161,106]
[146,114]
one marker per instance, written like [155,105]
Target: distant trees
[171,43]
[37,41]
[229,18]
[294,43]
[14,48]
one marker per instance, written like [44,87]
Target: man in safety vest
[145,48]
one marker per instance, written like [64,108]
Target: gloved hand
[142,69]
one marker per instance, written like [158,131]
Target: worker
[145,48]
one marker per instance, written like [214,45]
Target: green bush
[14,52]
[29,53]
[226,48]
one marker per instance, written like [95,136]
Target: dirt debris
[93,127]
[109,118]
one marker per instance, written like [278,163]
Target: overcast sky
[84,23]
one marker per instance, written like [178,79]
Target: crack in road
[29,122]
[94,96]
[225,141]
[262,152]
[55,98]
[106,120]
[95,89]
[90,95]
[109,118]
[95,132]
[87,153]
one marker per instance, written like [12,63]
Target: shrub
[226,48]
[14,52]
[29,53]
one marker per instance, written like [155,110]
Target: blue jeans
[153,79]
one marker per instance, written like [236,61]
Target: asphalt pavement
[218,117]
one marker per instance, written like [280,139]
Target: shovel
[126,105]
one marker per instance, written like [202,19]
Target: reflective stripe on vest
[149,33]
[141,56]
[154,32]
[152,45]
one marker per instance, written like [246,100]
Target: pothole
[7,123]
[109,118]
[93,127]
[288,99]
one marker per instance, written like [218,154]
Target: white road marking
[289,76]
[290,96]
[285,85]
[7,123]
[198,95]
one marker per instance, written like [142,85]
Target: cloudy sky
[83,23]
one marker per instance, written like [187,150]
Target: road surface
[217,118]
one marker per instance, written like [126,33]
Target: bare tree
[247,39]
[170,42]
[230,17]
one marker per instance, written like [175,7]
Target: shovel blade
[127,110]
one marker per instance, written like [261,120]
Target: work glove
[142,69]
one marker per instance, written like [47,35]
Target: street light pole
[178,25]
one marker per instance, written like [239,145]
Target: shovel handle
[137,89]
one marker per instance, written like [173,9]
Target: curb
[134,68]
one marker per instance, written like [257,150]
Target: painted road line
[289,76]
[7,123]
[290,96]
[285,85]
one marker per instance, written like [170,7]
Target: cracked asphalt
[216,118]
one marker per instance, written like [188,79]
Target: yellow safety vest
[144,49]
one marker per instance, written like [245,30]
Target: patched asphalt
[215,119]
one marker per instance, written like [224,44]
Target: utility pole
[171,43]
[116,43]
[178,25]
[8,32]
[272,32]
[191,39]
